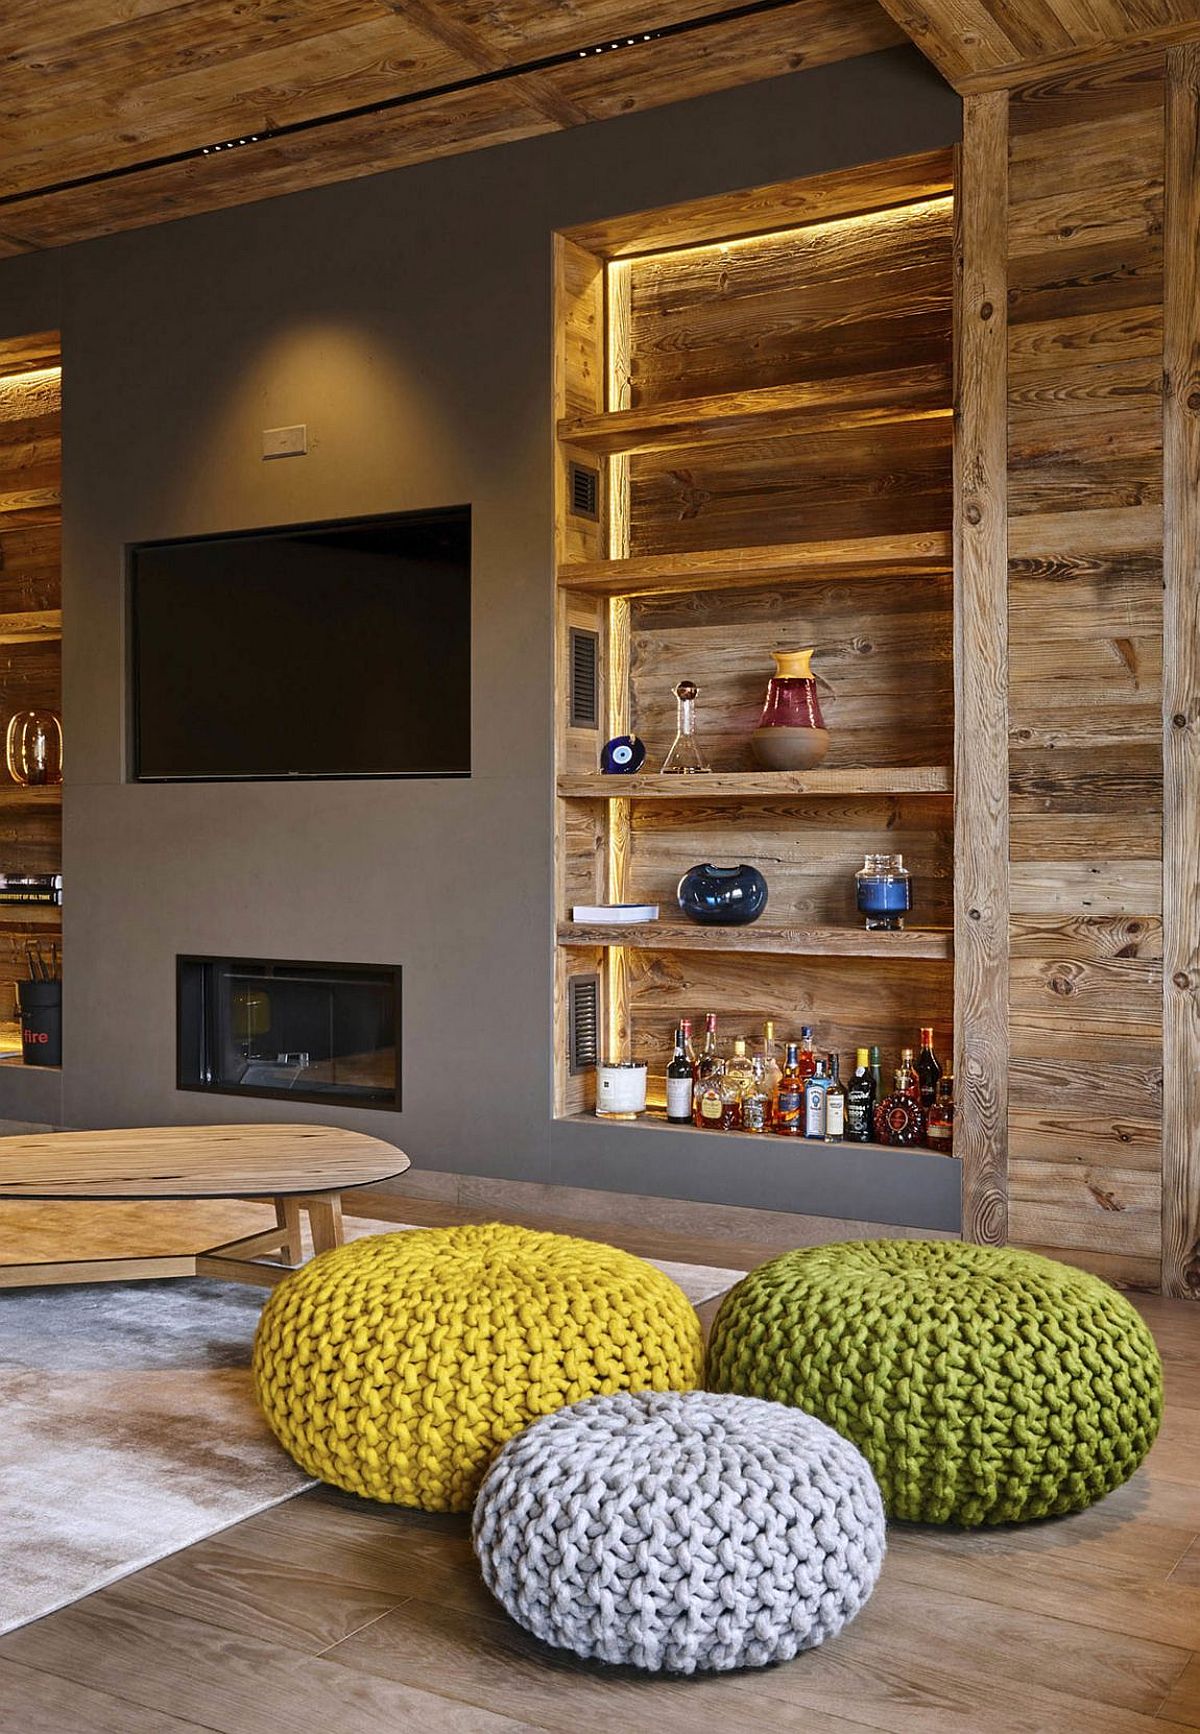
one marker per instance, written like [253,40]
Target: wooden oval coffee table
[296,1167]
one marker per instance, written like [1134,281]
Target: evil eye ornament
[623,755]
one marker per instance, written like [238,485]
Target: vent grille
[583,1022]
[585,491]
[585,692]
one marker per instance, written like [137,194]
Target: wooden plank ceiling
[108,106]
[989,44]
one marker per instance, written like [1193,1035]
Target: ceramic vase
[791,734]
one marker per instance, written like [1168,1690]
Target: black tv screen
[320,650]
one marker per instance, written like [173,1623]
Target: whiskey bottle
[939,1130]
[912,1083]
[731,1100]
[758,1104]
[708,1058]
[815,1090]
[808,1063]
[860,1100]
[928,1069]
[679,1081]
[835,1104]
[709,1101]
[900,1118]
[789,1097]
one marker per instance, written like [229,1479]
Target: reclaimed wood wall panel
[1085,597]
[883,1002]
[883,667]
[861,295]
[1181,683]
[827,486]
[809,852]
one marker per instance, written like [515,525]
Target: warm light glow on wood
[30,376]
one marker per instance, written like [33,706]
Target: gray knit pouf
[680,1531]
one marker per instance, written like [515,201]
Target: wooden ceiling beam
[325,90]
[450,31]
[981,45]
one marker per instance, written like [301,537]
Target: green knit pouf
[981,1385]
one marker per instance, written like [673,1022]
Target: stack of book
[31,888]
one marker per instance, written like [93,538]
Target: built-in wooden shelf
[31,625]
[813,406]
[758,785]
[30,914]
[758,937]
[927,553]
[20,796]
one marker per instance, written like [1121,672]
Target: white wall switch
[285,442]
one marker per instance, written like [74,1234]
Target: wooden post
[1181,680]
[981,1040]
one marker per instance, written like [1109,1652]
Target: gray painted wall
[406,319]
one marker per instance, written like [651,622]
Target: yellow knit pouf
[396,1367]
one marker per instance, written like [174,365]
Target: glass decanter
[685,758]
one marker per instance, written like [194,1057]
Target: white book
[614,912]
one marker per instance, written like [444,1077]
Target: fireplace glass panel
[313,1032]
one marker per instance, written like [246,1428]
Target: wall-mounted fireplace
[313,1032]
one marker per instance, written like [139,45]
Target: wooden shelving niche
[30,633]
[769,421]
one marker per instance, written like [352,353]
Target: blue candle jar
[883,892]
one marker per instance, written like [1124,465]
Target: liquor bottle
[808,1063]
[876,1068]
[928,1068]
[912,1083]
[709,1101]
[731,1100]
[679,1082]
[789,1097]
[939,1129]
[685,1025]
[708,1057]
[814,1102]
[835,1104]
[900,1118]
[860,1100]
[771,1053]
[758,1104]
[739,1068]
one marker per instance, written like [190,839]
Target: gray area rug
[128,1428]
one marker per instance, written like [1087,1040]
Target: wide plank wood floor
[328,1615]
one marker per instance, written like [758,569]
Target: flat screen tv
[318,650]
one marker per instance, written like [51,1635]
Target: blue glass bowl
[722,896]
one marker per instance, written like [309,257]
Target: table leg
[325,1220]
[287,1215]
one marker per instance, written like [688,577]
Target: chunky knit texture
[395,1366]
[680,1532]
[982,1386]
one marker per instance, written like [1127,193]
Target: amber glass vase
[33,747]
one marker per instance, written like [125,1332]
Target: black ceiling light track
[500,75]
